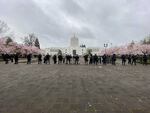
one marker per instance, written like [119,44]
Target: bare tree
[89,51]
[3,27]
[8,40]
[30,40]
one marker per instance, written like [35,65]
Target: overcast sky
[95,22]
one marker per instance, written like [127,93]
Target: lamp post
[105,46]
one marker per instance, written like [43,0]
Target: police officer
[55,59]
[86,59]
[76,59]
[95,59]
[39,59]
[123,57]
[134,58]
[16,57]
[129,59]
[145,59]
[114,59]
[48,58]
[29,58]
[104,57]
[60,59]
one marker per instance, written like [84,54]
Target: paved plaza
[74,89]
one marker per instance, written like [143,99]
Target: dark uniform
[91,59]
[100,59]
[55,59]
[104,57]
[113,59]
[6,57]
[123,57]
[60,59]
[39,59]
[16,57]
[129,59]
[134,58]
[48,59]
[76,59]
[86,59]
[29,58]
[145,59]
[95,59]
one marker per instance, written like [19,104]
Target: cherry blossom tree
[136,48]
[13,47]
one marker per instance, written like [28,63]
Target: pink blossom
[14,47]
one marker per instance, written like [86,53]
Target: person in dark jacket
[90,59]
[29,58]
[44,59]
[123,57]
[86,59]
[48,57]
[16,57]
[11,56]
[145,58]
[104,57]
[60,59]
[95,59]
[6,57]
[100,59]
[129,59]
[76,57]
[55,59]
[114,59]
[134,59]
[39,59]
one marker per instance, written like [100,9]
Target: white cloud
[94,21]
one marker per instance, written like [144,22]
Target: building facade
[73,49]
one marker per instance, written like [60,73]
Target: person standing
[16,57]
[6,57]
[129,59]
[55,59]
[64,59]
[11,58]
[99,59]
[60,59]
[44,59]
[67,59]
[48,58]
[90,59]
[95,59]
[86,58]
[39,59]
[123,57]
[76,59]
[134,58]
[145,59]
[29,58]
[104,57]
[114,59]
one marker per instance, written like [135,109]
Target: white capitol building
[73,49]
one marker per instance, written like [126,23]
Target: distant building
[74,42]
[73,49]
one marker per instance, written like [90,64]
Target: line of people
[58,59]
[111,59]
[88,59]
[132,59]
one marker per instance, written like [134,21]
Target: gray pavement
[74,89]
